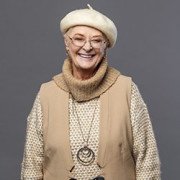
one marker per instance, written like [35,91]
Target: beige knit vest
[115,143]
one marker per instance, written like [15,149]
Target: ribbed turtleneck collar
[83,90]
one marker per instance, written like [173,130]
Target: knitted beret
[92,18]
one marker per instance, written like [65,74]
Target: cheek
[101,51]
[73,52]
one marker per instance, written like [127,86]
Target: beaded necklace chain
[85,155]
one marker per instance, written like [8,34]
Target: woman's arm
[144,143]
[31,168]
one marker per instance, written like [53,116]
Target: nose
[87,46]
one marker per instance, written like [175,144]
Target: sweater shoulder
[123,84]
[124,80]
[121,75]
[48,88]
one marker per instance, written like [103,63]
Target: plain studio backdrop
[32,51]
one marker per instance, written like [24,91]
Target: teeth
[85,56]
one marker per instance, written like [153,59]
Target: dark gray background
[32,51]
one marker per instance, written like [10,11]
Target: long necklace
[85,155]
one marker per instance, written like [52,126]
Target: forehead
[84,30]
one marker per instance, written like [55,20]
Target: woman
[90,121]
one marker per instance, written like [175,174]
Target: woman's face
[86,47]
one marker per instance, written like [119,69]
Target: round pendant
[85,156]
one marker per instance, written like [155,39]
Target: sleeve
[144,144]
[31,166]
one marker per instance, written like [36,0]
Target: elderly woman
[89,121]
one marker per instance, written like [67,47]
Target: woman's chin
[86,66]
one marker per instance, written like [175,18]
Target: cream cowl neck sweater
[83,90]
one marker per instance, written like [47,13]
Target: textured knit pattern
[85,112]
[33,152]
[144,147]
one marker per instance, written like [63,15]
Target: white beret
[92,18]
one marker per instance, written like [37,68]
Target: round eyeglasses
[96,42]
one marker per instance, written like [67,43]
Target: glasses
[96,42]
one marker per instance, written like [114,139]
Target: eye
[96,40]
[78,38]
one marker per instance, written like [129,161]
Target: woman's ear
[66,42]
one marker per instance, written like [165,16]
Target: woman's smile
[86,56]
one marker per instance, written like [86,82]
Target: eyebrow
[92,36]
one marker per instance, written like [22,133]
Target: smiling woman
[89,121]
[86,48]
